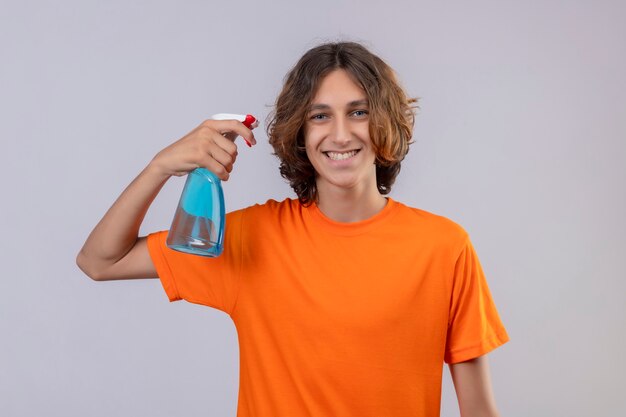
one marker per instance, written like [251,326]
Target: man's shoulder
[271,207]
[431,223]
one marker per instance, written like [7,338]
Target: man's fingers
[224,158]
[215,167]
[226,144]
[231,129]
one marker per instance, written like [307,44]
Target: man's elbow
[84,264]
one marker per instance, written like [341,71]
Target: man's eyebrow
[355,103]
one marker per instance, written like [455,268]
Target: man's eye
[318,116]
[360,112]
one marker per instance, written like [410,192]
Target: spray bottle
[198,225]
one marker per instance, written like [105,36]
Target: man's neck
[352,205]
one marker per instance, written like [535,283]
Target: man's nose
[341,131]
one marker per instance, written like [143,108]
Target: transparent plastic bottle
[198,225]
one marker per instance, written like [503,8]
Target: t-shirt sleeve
[212,282]
[474,326]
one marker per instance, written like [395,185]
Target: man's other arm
[472,383]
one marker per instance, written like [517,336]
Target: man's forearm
[472,383]
[117,231]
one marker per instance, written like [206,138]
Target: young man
[346,302]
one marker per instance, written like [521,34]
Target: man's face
[337,136]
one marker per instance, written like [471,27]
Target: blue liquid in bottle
[198,225]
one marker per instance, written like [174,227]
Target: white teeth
[340,156]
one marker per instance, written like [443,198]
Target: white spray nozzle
[247,119]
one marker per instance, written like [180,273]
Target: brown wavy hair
[391,119]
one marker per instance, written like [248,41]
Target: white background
[521,138]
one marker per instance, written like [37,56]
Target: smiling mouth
[340,156]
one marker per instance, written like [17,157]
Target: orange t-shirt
[341,319]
